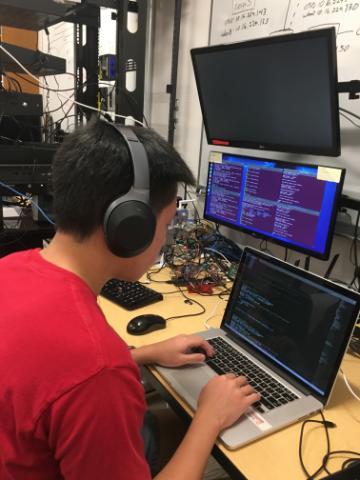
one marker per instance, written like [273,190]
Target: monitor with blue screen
[292,204]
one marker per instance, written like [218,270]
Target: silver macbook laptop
[286,330]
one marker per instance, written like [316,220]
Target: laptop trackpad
[188,381]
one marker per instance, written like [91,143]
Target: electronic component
[107,97]
[14,103]
[28,165]
[273,93]
[108,67]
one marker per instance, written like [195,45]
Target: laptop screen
[297,320]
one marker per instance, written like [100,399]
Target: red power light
[215,141]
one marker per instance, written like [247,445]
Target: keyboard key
[129,295]
[228,359]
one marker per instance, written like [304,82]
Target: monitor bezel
[283,164]
[328,33]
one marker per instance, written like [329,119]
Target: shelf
[38,63]
[31,15]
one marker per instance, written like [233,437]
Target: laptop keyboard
[228,359]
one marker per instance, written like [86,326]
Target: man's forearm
[144,355]
[189,460]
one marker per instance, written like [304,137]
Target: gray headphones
[129,221]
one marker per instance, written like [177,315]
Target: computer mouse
[145,324]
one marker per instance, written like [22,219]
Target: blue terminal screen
[285,202]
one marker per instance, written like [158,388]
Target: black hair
[92,167]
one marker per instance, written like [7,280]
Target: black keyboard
[228,359]
[129,295]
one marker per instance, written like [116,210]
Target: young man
[71,401]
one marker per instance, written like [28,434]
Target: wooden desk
[274,457]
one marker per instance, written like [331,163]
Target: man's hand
[224,399]
[175,352]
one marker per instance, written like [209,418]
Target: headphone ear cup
[129,227]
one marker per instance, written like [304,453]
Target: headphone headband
[136,150]
[129,222]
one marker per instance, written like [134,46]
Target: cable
[212,314]
[190,301]
[342,452]
[58,108]
[349,112]
[38,84]
[11,189]
[326,424]
[101,82]
[218,253]
[80,104]
[353,250]
[350,120]
[349,386]
[12,79]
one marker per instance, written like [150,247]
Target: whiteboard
[241,20]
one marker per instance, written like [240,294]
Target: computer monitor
[275,93]
[292,204]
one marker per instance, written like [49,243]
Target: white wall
[195,22]
[194,31]
[161,65]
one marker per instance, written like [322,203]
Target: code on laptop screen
[296,322]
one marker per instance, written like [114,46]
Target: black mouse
[145,324]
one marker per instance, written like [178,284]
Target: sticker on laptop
[257,419]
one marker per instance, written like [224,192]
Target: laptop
[286,330]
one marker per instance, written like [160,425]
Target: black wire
[353,250]
[45,87]
[154,272]
[342,452]
[58,96]
[349,462]
[349,112]
[325,424]
[136,107]
[350,120]
[190,301]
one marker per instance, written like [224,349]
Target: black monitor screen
[298,321]
[277,93]
[292,204]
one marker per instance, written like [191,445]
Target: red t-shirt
[71,402]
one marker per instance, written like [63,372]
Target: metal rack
[40,14]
